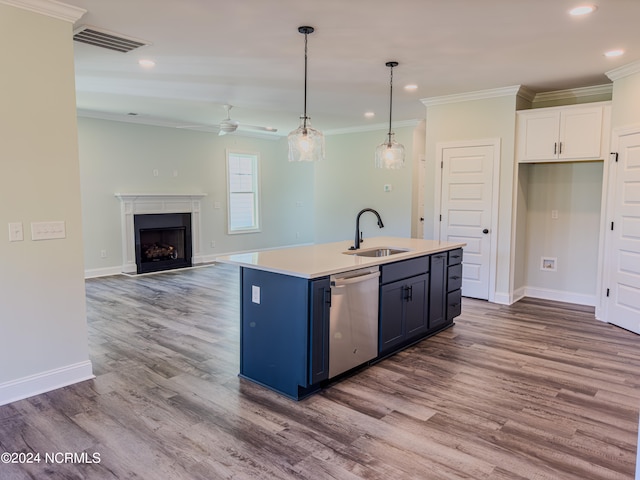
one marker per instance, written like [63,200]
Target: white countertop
[314,261]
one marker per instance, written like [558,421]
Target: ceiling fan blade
[256,127]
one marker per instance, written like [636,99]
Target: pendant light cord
[390,65]
[390,102]
[304,120]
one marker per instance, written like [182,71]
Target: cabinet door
[392,327]
[417,306]
[538,135]
[438,291]
[320,294]
[580,133]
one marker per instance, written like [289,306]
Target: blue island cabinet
[284,331]
[285,319]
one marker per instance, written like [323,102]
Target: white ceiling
[249,53]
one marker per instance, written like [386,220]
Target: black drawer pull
[455,277]
[455,256]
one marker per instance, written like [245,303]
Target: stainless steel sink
[376,252]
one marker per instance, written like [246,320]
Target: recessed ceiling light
[146,63]
[582,10]
[614,53]
[411,87]
[369,114]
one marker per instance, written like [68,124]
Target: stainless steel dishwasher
[353,319]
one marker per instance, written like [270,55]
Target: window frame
[255,190]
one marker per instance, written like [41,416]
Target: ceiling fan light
[306,144]
[390,155]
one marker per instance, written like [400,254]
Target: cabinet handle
[560,151]
[455,277]
[327,296]
[408,293]
[555,148]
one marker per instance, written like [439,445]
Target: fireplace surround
[143,204]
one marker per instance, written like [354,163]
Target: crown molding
[572,93]
[51,8]
[623,71]
[160,122]
[465,97]
[373,127]
[526,94]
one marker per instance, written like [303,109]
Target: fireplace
[163,241]
[142,205]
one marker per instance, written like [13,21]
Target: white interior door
[623,305]
[466,211]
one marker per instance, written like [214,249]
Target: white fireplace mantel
[145,203]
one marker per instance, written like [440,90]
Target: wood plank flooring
[537,390]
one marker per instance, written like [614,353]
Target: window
[242,188]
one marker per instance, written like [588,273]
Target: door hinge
[615,156]
[607,292]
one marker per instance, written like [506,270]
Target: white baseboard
[560,296]
[102,272]
[45,382]
[503,298]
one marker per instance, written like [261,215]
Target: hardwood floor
[537,390]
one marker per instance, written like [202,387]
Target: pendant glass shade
[306,144]
[390,154]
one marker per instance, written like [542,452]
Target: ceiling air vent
[105,39]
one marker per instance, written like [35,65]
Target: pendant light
[305,143]
[390,154]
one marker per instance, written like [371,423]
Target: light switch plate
[16,234]
[255,294]
[48,230]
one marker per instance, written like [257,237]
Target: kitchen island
[312,314]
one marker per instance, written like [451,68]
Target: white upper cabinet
[560,134]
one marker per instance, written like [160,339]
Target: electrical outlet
[554,214]
[103,253]
[155,172]
[213,244]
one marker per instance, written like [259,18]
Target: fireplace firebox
[162,241]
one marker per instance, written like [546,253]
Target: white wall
[573,189]
[625,110]
[43,334]
[121,157]
[471,120]
[347,181]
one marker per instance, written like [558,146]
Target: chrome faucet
[356,244]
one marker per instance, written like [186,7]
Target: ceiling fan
[229,126]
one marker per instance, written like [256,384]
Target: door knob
[485,231]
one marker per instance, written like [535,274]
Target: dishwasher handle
[339,282]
